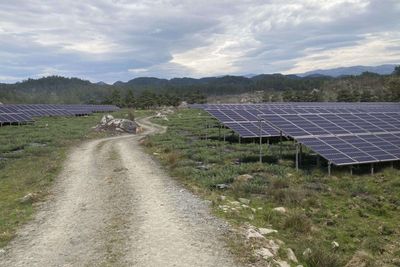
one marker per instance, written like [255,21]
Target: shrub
[323,257]
[298,222]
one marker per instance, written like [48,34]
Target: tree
[345,95]
[130,100]
[396,71]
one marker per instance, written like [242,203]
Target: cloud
[113,40]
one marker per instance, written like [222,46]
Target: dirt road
[112,205]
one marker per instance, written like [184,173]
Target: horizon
[118,40]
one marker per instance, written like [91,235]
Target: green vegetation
[147,92]
[360,212]
[30,158]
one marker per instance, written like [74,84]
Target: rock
[291,256]
[29,198]
[272,246]
[264,253]
[307,252]
[222,198]
[243,178]
[335,245]
[281,263]
[2,251]
[359,259]
[280,209]
[253,210]
[244,200]
[222,186]
[251,233]
[266,231]
[106,118]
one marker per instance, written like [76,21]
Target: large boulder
[109,123]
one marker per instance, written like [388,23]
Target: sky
[111,40]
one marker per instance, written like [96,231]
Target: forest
[148,92]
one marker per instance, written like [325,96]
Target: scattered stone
[291,256]
[307,252]
[272,246]
[244,200]
[264,253]
[280,209]
[281,263]
[253,210]
[251,233]
[259,208]
[359,259]
[279,242]
[29,198]
[2,251]
[222,186]
[251,217]
[244,206]
[243,178]
[222,198]
[266,231]
[335,245]
[235,203]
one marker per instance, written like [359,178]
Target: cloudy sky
[110,40]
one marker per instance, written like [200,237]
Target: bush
[298,222]
[322,257]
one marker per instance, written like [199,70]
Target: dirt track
[112,205]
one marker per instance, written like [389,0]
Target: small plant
[298,222]
[320,256]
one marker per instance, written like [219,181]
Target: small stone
[280,209]
[222,198]
[29,198]
[253,210]
[272,246]
[335,245]
[251,233]
[244,200]
[266,231]
[222,186]
[264,253]
[307,252]
[2,251]
[259,208]
[291,256]
[282,263]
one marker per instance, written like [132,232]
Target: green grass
[30,158]
[360,212]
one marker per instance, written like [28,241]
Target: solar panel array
[342,133]
[23,113]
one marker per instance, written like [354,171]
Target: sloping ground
[112,205]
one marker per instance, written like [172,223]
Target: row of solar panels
[358,133]
[23,113]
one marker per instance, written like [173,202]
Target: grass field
[360,212]
[30,158]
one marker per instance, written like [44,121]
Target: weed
[298,222]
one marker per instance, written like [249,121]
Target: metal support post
[297,157]
[351,169]
[318,162]
[259,126]
[301,154]
[329,168]
[372,169]
[280,145]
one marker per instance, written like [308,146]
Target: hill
[353,70]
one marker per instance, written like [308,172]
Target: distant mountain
[354,70]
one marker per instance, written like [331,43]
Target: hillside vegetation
[151,92]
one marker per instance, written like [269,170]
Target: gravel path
[113,205]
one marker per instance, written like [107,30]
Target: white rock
[272,246]
[282,263]
[280,209]
[2,251]
[251,233]
[291,256]
[27,198]
[335,244]
[264,252]
[244,200]
[307,252]
[222,198]
[253,210]
[243,178]
[266,231]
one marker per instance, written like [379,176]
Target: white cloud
[119,39]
